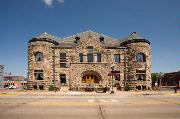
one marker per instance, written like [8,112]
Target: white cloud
[61,1]
[50,2]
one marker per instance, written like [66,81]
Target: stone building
[87,58]
[1,75]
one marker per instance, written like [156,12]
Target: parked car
[12,87]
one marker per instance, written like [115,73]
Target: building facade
[18,81]
[170,79]
[87,58]
[1,75]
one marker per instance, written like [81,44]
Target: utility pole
[112,73]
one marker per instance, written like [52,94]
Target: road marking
[91,100]
[4,94]
[74,93]
[103,101]
[113,100]
[62,104]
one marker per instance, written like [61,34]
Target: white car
[12,87]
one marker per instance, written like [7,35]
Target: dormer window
[77,40]
[101,39]
[90,49]
[134,33]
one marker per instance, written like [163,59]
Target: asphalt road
[100,106]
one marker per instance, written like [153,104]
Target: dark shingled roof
[69,42]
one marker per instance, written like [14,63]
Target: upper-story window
[117,58]
[81,57]
[140,57]
[90,57]
[62,57]
[38,56]
[77,40]
[98,57]
[90,49]
[63,60]
[101,39]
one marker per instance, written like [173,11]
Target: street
[124,105]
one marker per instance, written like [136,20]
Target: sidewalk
[79,93]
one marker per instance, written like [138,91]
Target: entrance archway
[91,77]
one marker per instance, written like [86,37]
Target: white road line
[74,93]
[91,100]
[113,100]
[103,100]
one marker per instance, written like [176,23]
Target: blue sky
[156,20]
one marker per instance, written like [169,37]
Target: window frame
[90,57]
[99,57]
[81,57]
[119,58]
[62,77]
[37,58]
[62,57]
[40,72]
[90,49]
[63,65]
[139,58]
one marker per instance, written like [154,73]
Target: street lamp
[112,73]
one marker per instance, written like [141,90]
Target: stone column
[84,57]
[95,57]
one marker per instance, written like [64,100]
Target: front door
[88,79]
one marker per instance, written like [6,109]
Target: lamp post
[54,70]
[112,73]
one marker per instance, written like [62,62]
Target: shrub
[51,88]
[127,88]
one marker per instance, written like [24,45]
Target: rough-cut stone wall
[75,69]
[133,65]
[46,64]
[1,75]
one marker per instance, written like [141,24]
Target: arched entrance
[91,77]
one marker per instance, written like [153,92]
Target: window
[117,58]
[140,57]
[63,60]
[62,57]
[38,74]
[117,77]
[63,65]
[38,56]
[98,57]
[101,39]
[63,78]
[80,57]
[77,40]
[140,77]
[90,57]
[90,49]
[140,71]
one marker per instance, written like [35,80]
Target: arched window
[38,74]
[38,56]
[90,48]
[140,57]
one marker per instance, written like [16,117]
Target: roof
[70,41]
